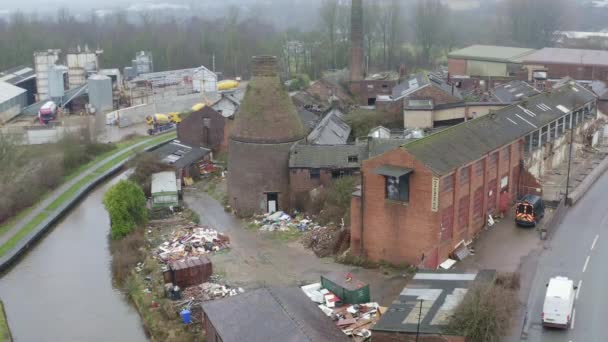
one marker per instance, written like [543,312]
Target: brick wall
[380,336]
[394,231]
[367,89]
[457,67]
[405,232]
[192,131]
[300,184]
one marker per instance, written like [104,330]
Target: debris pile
[193,296]
[191,240]
[281,221]
[326,241]
[354,320]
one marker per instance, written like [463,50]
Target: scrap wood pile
[193,296]
[354,320]
[191,240]
[327,241]
[281,221]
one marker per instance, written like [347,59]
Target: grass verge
[5,333]
[71,192]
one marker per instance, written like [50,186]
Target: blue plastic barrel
[186,316]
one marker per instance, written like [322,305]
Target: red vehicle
[47,112]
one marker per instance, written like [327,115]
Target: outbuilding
[165,190]
[12,100]
[268,314]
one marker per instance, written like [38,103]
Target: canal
[61,290]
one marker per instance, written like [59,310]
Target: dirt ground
[257,259]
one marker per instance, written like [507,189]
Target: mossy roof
[267,114]
[447,150]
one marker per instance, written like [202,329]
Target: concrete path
[255,260]
[41,206]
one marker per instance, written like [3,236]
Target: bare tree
[329,15]
[533,23]
[429,25]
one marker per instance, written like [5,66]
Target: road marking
[573,317]
[578,290]
[586,262]
[594,241]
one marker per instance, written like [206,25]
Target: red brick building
[554,64]
[204,128]
[419,202]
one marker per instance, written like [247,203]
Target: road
[578,250]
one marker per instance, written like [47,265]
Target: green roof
[491,53]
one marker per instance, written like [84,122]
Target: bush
[337,201]
[144,165]
[485,313]
[126,253]
[126,204]
[299,82]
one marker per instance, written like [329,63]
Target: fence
[555,220]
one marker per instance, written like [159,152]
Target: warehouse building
[12,100]
[549,65]
[486,61]
[419,202]
[22,77]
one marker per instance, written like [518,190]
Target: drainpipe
[362,211]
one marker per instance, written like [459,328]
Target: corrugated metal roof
[491,53]
[164,182]
[462,144]
[9,91]
[180,155]
[514,91]
[393,171]
[568,56]
[17,75]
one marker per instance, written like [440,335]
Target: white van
[559,302]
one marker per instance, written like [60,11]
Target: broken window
[398,188]
[447,183]
[315,173]
[206,122]
[353,159]
[463,212]
[447,223]
[506,154]
[465,173]
[478,204]
[479,168]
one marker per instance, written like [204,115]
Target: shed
[188,272]
[347,288]
[164,190]
[268,314]
[12,100]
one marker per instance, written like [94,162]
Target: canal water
[61,290]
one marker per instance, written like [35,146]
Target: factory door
[272,202]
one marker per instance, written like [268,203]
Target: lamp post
[419,319]
[569,158]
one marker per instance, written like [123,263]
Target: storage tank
[43,60]
[100,93]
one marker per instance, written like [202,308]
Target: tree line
[416,33]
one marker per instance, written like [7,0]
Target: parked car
[529,210]
[559,302]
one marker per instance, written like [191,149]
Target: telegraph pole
[419,319]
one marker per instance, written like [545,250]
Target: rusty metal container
[189,272]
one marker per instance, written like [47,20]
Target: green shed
[164,190]
[350,291]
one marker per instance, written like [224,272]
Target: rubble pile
[191,240]
[193,296]
[281,221]
[354,320]
[324,241]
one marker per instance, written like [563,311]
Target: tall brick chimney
[356,40]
